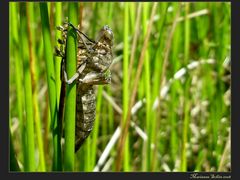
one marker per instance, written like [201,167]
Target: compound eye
[109,35]
[108,32]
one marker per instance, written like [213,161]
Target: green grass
[69,115]
[18,80]
[57,60]
[30,145]
[125,83]
[30,15]
[48,52]
[186,130]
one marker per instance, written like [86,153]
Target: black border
[4,110]
[235,38]
[4,78]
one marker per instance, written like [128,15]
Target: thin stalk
[33,19]
[46,126]
[200,161]
[34,90]
[70,107]
[132,15]
[186,34]
[134,93]
[87,155]
[110,13]
[163,78]
[221,35]
[30,165]
[52,92]
[125,83]
[147,90]
[104,125]
[96,127]
[57,60]
[135,38]
[186,57]
[156,79]
[110,112]
[186,119]
[174,57]
[18,69]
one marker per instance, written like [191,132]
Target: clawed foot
[94,78]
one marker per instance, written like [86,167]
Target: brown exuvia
[93,61]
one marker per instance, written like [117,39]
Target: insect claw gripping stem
[94,78]
[75,76]
[70,81]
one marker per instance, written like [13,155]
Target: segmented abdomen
[85,113]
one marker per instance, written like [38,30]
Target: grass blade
[70,107]
[14,44]
[30,165]
[34,87]
[52,92]
[57,60]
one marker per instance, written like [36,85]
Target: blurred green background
[167,108]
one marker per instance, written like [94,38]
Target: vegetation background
[167,108]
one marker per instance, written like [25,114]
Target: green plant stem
[125,83]
[70,107]
[185,128]
[147,90]
[34,89]
[96,127]
[18,69]
[30,165]
[135,86]
[52,92]
[57,60]
[156,117]
[186,119]
[186,34]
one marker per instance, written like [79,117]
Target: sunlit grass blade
[14,44]
[94,145]
[52,92]
[34,87]
[70,107]
[147,89]
[125,84]
[30,165]
[57,60]
[186,108]
[134,92]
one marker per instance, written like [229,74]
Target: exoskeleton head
[106,35]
